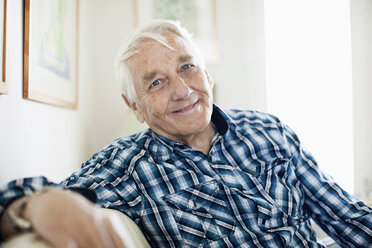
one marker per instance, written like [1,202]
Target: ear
[209,78]
[135,110]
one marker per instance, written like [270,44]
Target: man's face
[174,92]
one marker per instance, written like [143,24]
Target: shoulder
[119,152]
[261,128]
[264,129]
[253,118]
[113,161]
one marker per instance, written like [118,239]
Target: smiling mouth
[186,108]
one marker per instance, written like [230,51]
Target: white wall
[34,138]
[104,24]
[240,74]
[309,82]
[361,30]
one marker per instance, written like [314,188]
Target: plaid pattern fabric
[257,187]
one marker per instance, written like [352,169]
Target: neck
[200,141]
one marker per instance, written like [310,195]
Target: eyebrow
[151,75]
[185,58]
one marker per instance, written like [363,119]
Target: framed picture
[51,52]
[198,16]
[3,84]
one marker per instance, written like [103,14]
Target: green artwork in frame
[51,52]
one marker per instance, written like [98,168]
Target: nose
[181,90]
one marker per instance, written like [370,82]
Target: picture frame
[3,23]
[51,52]
[198,16]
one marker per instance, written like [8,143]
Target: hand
[67,219]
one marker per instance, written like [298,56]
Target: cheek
[207,86]
[156,105]
[198,82]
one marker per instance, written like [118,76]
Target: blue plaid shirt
[257,187]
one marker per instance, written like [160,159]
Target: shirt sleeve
[341,215]
[109,175]
[27,186]
[22,187]
[105,179]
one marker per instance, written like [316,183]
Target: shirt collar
[163,147]
[220,120]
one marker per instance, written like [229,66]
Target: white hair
[153,30]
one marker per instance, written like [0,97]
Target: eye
[185,67]
[155,83]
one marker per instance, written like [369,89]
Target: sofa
[138,240]
[32,240]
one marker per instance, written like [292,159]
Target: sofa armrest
[32,240]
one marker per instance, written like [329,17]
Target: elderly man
[199,177]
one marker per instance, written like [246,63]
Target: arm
[342,216]
[65,218]
[13,221]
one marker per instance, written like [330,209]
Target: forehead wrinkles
[149,52]
[168,40]
[153,56]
